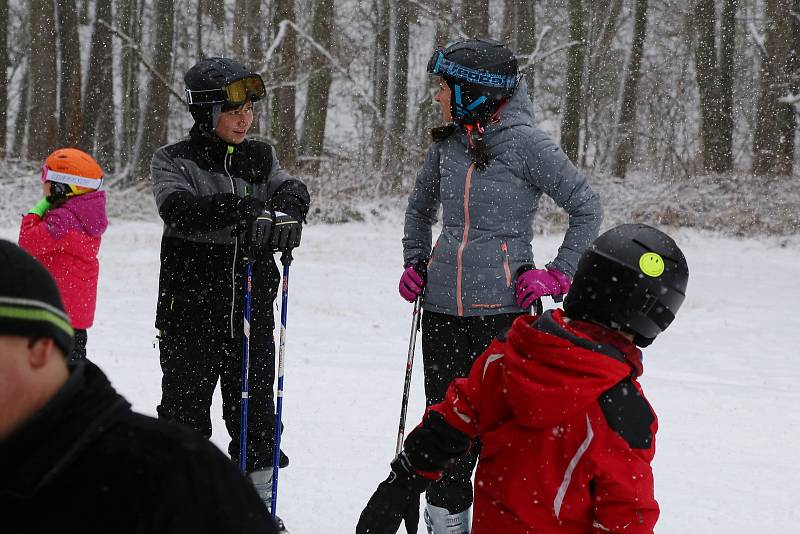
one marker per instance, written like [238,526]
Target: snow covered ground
[724,380]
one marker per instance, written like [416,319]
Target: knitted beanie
[30,304]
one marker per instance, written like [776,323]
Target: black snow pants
[191,366]
[79,345]
[450,345]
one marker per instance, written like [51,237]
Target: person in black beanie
[74,457]
[214,191]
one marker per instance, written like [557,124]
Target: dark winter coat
[197,183]
[488,214]
[567,433]
[86,463]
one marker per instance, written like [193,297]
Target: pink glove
[535,283]
[412,282]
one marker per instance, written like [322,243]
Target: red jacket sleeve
[623,497]
[35,238]
[447,429]
[464,400]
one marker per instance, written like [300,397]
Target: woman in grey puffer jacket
[487,169]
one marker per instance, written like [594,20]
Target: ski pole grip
[286,257]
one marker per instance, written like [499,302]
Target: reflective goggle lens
[241,90]
[435,61]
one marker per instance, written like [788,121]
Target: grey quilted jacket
[487,215]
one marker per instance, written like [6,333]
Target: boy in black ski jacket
[212,189]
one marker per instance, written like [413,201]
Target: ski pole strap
[538,307]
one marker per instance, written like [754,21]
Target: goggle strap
[71,179]
[445,67]
[193,97]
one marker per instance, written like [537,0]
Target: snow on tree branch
[283,28]
[535,57]
[137,49]
[758,39]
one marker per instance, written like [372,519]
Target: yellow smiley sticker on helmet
[651,264]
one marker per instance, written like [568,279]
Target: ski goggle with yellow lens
[234,94]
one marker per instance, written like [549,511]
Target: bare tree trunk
[154,133]
[715,81]
[255,45]
[397,89]
[3,79]
[475,17]
[23,111]
[510,16]
[318,88]
[380,74]
[129,19]
[240,25]
[773,140]
[98,111]
[84,12]
[442,35]
[198,31]
[43,130]
[627,119]
[524,35]
[284,130]
[216,10]
[70,125]
[570,121]
[603,25]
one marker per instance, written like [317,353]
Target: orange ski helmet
[74,168]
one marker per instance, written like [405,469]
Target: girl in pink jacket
[63,232]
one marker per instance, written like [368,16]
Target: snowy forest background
[681,112]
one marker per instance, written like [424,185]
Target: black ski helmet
[216,83]
[632,278]
[480,73]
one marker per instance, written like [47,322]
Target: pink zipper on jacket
[463,244]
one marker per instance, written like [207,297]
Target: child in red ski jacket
[567,433]
[63,232]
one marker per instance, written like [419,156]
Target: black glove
[248,208]
[58,191]
[261,232]
[243,212]
[286,232]
[396,500]
[292,197]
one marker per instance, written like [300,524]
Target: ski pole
[286,260]
[412,343]
[245,363]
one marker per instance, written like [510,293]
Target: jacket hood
[84,407]
[85,213]
[554,369]
[516,112]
